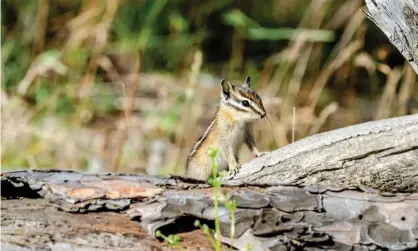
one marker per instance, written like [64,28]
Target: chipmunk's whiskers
[271,125]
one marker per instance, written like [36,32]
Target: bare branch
[399,21]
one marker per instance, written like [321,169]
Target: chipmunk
[228,131]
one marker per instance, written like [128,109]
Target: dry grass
[154,118]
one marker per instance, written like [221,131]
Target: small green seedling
[173,240]
[231,205]
[216,182]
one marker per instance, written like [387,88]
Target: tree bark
[399,21]
[379,154]
[267,217]
[36,224]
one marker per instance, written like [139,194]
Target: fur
[227,132]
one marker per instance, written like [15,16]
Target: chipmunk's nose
[263,115]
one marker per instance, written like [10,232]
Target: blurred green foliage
[52,50]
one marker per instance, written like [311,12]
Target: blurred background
[130,85]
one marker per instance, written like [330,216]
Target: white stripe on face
[235,100]
[254,105]
[257,108]
[237,104]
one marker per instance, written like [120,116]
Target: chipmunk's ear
[226,88]
[247,82]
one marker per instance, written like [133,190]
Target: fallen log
[379,154]
[267,217]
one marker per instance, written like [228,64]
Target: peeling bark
[268,217]
[35,224]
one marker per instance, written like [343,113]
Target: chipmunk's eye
[245,103]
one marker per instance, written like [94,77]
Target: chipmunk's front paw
[233,171]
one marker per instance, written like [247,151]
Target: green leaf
[51,59]
[146,32]
[237,19]
[64,106]
[42,93]
[261,33]
[177,22]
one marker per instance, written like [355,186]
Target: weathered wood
[35,224]
[399,21]
[268,217]
[379,154]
